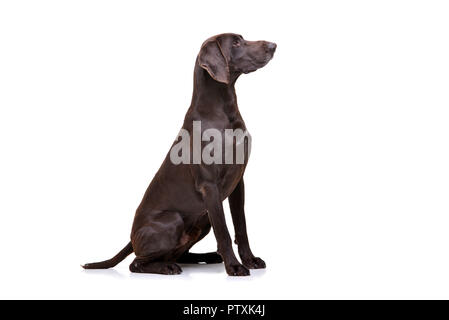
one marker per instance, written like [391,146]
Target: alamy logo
[219,150]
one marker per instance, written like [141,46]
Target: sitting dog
[185,197]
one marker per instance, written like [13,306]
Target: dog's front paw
[237,270]
[254,263]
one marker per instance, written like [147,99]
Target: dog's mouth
[257,64]
[268,58]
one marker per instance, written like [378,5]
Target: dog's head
[228,55]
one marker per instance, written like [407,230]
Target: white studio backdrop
[347,185]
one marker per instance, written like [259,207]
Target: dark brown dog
[184,200]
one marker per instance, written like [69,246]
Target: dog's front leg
[236,204]
[214,206]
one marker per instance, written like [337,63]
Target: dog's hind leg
[156,243]
[208,258]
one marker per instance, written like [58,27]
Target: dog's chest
[231,176]
[231,154]
[231,172]
[236,154]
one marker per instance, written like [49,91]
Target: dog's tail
[119,257]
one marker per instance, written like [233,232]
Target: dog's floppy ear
[211,58]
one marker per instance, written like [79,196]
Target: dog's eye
[236,43]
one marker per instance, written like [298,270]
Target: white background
[348,181]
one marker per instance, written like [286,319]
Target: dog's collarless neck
[209,94]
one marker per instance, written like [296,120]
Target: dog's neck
[205,93]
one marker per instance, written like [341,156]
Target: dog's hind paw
[155,267]
[254,263]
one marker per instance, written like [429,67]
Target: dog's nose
[271,46]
